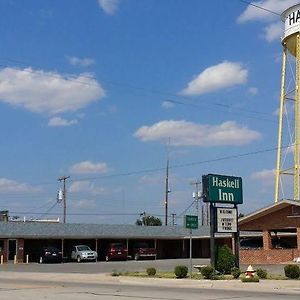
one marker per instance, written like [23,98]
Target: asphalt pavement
[121,266]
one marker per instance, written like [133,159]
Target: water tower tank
[291,19]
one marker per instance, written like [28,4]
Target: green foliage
[207,272]
[225,260]
[292,271]
[181,271]
[149,221]
[151,271]
[250,279]
[138,222]
[235,272]
[261,273]
[115,273]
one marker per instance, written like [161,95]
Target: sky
[105,91]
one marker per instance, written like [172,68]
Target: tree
[241,215]
[149,221]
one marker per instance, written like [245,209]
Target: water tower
[288,151]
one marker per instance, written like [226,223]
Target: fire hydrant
[250,272]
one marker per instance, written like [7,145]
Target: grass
[196,276]
[167,275]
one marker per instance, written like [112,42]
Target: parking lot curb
[275,286]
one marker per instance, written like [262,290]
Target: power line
[147,90]
[154,170]
[260,7]
[160,169]
[229,107]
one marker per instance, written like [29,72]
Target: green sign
[191,222]
[222,189]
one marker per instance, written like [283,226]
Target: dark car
[143,250]
[49,254]
[116,251]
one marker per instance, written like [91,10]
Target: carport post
[155,245]
[96,248]
[191,254]
[62,249]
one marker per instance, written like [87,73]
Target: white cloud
[266,177]
[253,91]
[83,204]
[88,167]
[86,187]
[152,179]
[47,92]
[8,185]
[252,13]
[167,104]
[58,122]
[273,32]
[223,75]
[82,62]
[183,133]
[109,6]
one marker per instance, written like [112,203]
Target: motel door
[12,249]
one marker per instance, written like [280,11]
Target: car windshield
[117,246]
[50,249]
[84,248]
[141,245]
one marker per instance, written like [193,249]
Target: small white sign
[226,220]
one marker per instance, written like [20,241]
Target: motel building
[275,234]
[270,235]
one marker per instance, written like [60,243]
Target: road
[28,290]
[91,281]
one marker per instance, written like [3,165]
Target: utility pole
[167,193]
[173,219]
[64,178]
[197,196]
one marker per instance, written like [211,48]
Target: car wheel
[136,257]
[41,260]
[78,259]
[106,258]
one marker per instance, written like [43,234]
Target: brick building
[279,225]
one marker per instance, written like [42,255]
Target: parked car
[83,252]
[49,254]
[116,251]
[142,250]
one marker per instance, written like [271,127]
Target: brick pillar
[267,240]
[298,238]
[20,251]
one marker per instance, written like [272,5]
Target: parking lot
[120,266]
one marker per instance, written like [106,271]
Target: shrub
[151,271]
[207,272]
[225,260]
[250,279]
[181,271]
[292,271]
[115,273]
[261,273]
[235,272]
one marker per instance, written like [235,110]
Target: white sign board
[291,19]
[226,219]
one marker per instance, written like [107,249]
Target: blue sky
[104,90]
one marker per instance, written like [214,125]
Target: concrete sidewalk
[276,286]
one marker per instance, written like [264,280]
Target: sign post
[191,222]
[227,190]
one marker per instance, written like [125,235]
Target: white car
[83,252]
